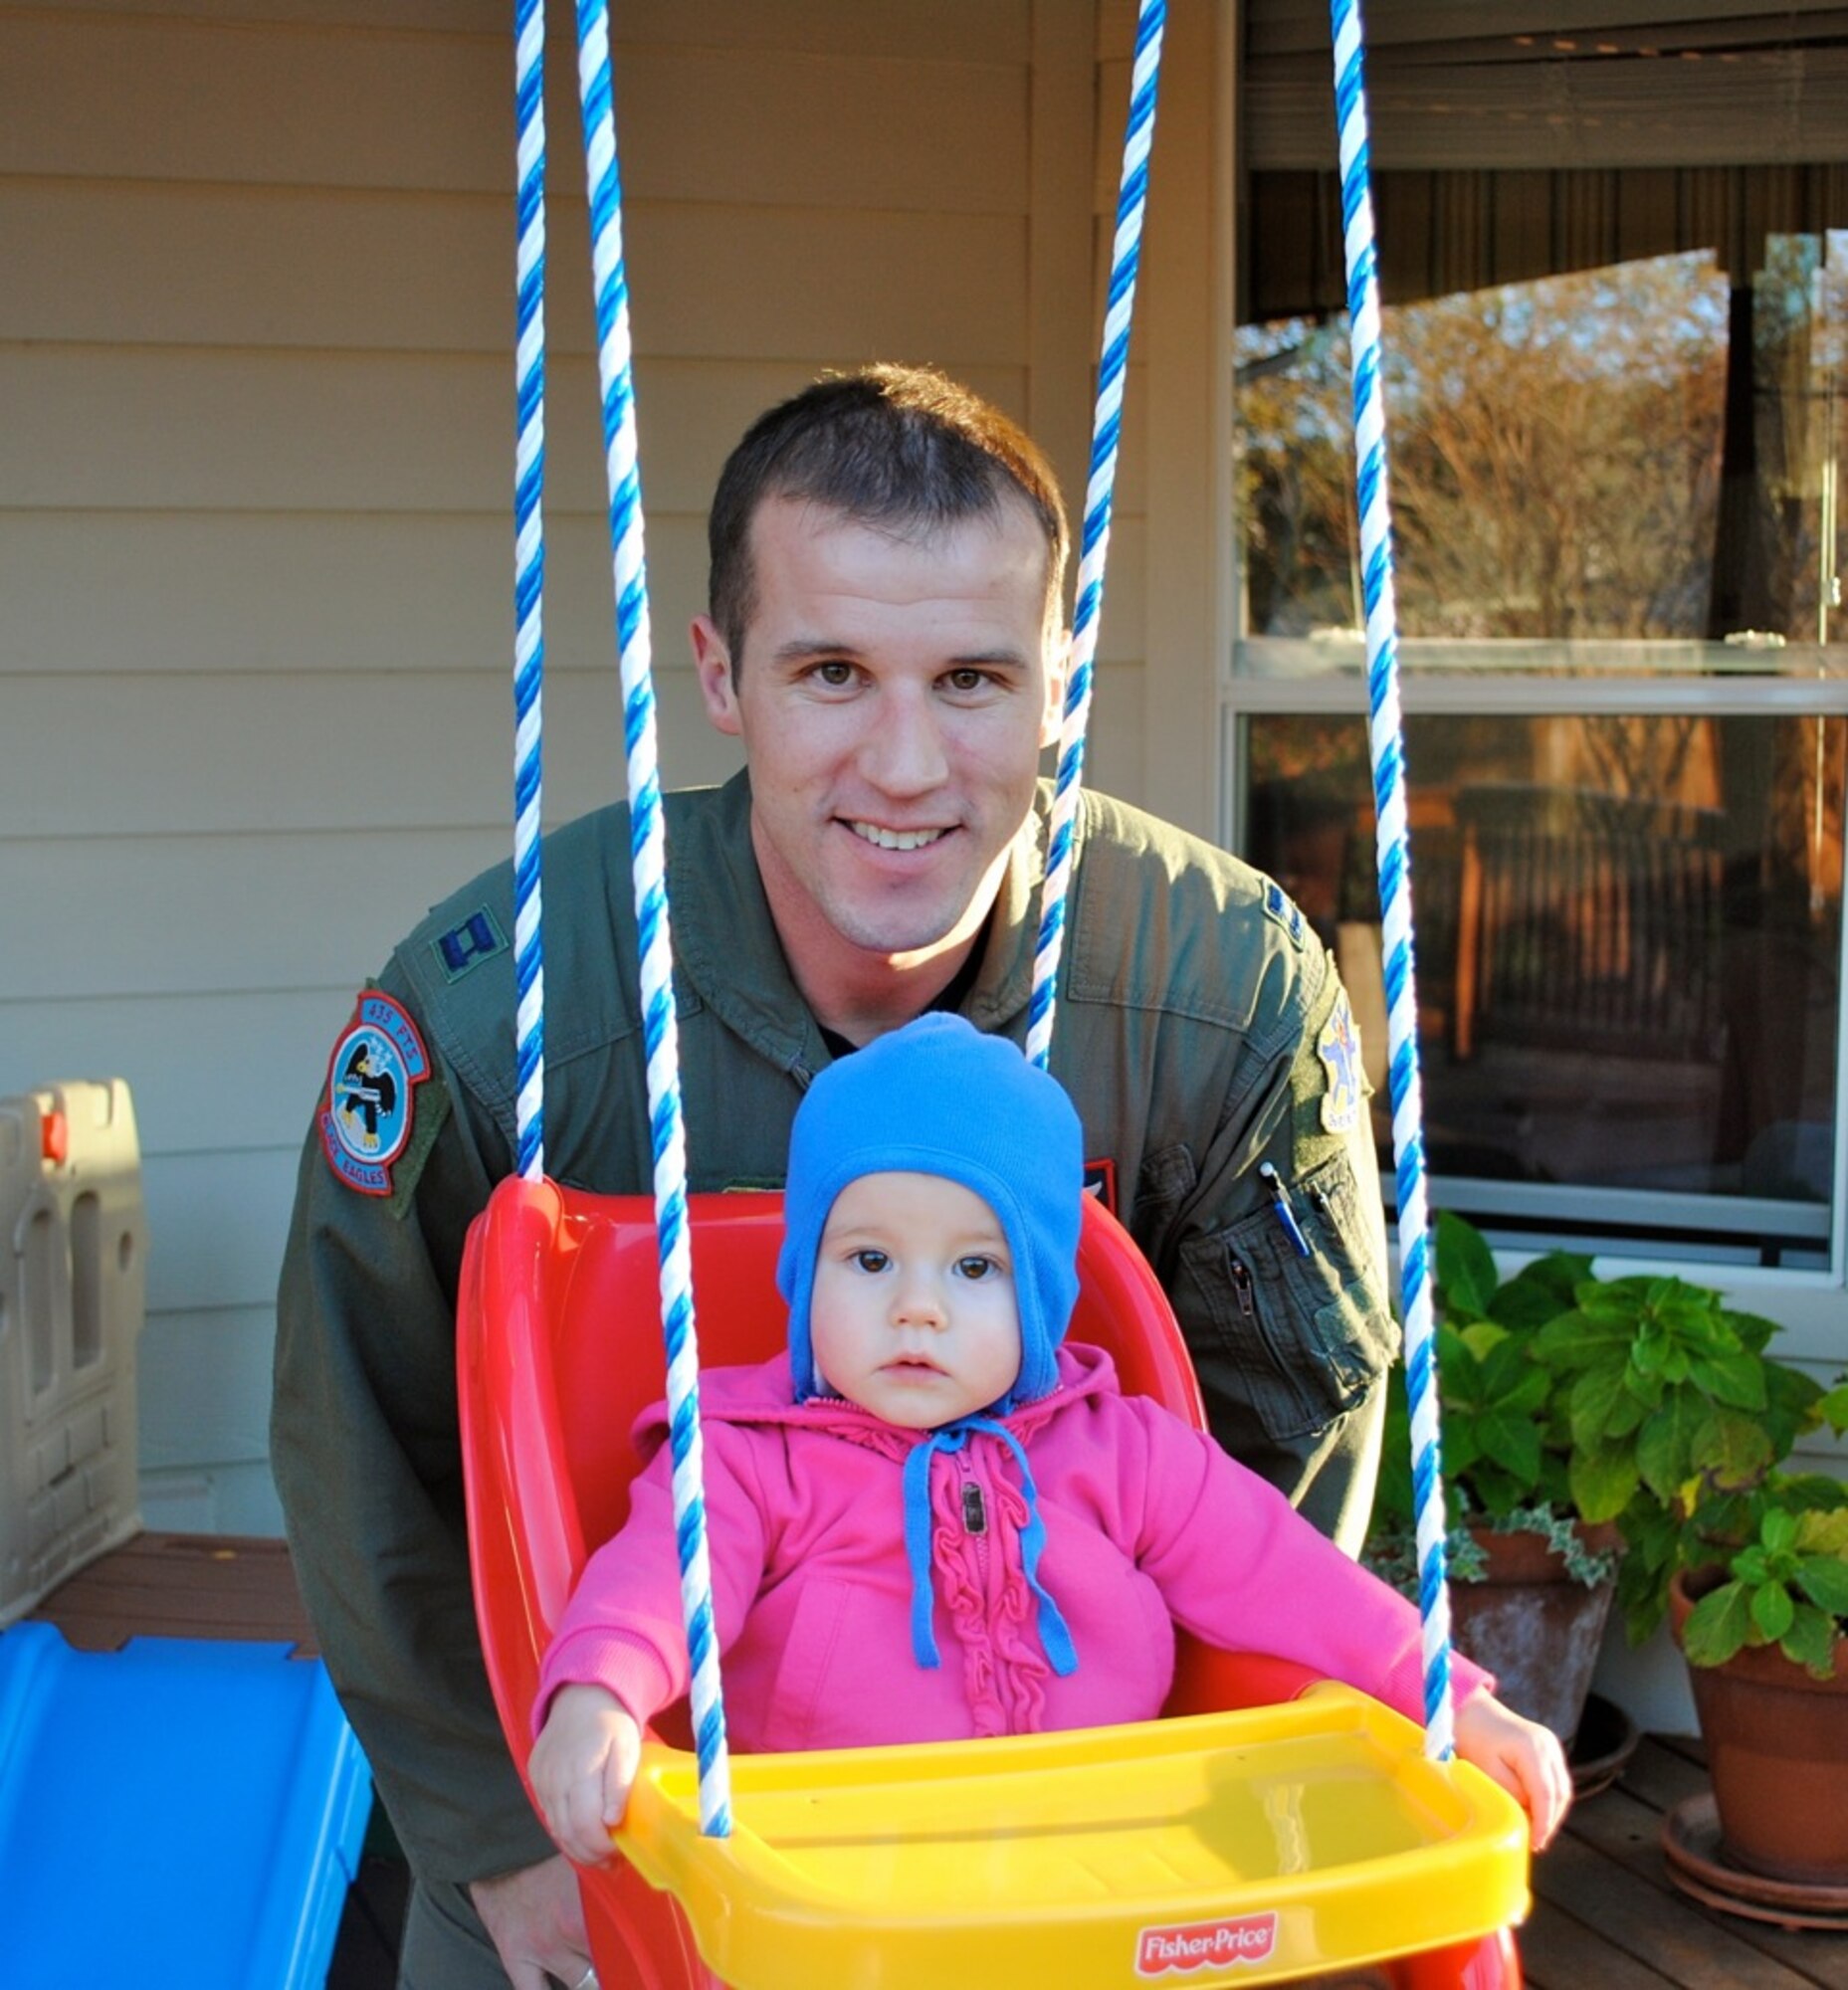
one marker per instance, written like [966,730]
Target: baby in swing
[929,1518]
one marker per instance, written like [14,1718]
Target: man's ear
[711,659]
[1058,671]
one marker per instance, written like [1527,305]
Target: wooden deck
[1605,1917]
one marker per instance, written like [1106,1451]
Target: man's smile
[894,839]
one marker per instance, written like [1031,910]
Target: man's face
[893,698]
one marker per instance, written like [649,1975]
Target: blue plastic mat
[180,1812]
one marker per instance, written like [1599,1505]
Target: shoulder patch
[1339,1048]
[464,947]
[369,1109]
[1279,905]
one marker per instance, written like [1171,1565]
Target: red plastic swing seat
[559,1349]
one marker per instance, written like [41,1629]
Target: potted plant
[1759,1603]
[1580,1413]
[1531,1549]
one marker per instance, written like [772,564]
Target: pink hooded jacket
[1148,1523]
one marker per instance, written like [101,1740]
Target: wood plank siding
[256,443]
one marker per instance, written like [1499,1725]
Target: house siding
[255,447]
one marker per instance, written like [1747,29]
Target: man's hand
[535,1921]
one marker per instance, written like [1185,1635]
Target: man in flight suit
[885,639]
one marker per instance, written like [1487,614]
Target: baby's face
[913,1315]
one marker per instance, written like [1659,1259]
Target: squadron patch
[372,1077]
[1339,1048]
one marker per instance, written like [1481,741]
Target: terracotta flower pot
[1536,1627]
[1777,1751]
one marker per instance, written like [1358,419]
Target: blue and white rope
[529,584]
[1107,425]
[1395,884]
[649,855]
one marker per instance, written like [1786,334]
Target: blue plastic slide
[180,1815]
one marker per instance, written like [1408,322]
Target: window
[1615,401]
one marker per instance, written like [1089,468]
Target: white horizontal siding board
[293,103]
[171,915]
[214,756]
[111,593]
[761,127]
[159,264]
[203,1384]
[733,283]
[164,262]
[959,30]
[216,1223]
[254,1087]
[87,427]
[173,98]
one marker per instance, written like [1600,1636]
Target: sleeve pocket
[1306,1337]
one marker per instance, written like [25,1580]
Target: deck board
[1606,1915]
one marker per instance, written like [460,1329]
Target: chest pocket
[1303,1336]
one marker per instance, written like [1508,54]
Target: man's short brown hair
[902,447]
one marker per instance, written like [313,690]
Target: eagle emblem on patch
[1339,1048]
[373,1078]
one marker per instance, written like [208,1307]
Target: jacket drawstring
[1055,1635]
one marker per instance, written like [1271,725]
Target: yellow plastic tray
[1246,1847]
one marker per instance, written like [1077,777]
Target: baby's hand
[582,1766]
[1523,1756]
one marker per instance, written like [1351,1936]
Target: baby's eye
[870,1260]
[977,1268]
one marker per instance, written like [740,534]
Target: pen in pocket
[1280,1201]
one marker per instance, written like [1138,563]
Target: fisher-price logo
[1161,1951]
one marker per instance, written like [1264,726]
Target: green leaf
[1540,1291]
[1824,1581]
[1602,1487]
[1600,1406]
[1669,1446]
[1579,1338]
[1466,1273]
[1614,1302]
[1513,1443]
[1753,1329]
[1718,1627]
[1823,1533]
[1834,1408]
[1779,1533]
[1810,1642]
[1736,1379]
[1733,1448]
[1773,1610]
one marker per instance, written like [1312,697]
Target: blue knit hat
[940,1097]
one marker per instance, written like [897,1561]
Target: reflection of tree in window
[1555,456]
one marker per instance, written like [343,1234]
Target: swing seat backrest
[559,1349]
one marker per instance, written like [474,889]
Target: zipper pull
[1280,1201]
[974,1513]
[1241,1287]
